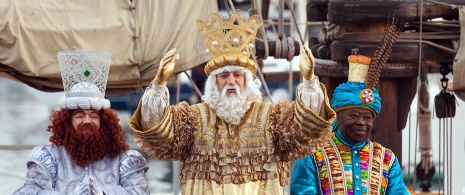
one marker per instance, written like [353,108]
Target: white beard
[231,108]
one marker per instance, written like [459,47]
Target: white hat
[84,75]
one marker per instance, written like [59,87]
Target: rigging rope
[420,49]
[442,3]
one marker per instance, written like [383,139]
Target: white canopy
[137,33]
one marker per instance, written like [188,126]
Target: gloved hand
[94,187]
[307,63]
[166,68]
[83,187]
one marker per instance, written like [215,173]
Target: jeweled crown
[230,40]
[84,74]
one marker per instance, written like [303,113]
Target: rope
[450,154]
[409,143]
[291,51]
[373,38]
[333,32]
[262,30]
[327,62]
[228,3]
[193,84]
[419,73]
[453,6]
[277,52]
[290,43]
[260,74]
[284,48]
[291,8]
[439,167]
[280,18]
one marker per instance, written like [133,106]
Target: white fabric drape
[137,33]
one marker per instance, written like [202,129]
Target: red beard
[86,145]
[87,131]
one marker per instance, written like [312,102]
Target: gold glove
[307,63]
[166,68]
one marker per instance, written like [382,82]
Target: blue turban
[356,95]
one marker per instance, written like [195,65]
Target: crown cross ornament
[230,40]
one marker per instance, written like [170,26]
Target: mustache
[232,86]
[94,131]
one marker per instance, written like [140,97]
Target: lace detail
[311,94]
[154,102]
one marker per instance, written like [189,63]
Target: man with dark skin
[350,163]
[355,124]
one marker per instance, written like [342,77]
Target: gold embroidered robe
[249,158]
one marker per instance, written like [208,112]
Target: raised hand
[307,63]
[166,68]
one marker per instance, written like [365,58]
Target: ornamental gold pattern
[230,39]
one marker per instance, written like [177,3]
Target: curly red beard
[87,143]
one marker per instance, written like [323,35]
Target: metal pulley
[444,102]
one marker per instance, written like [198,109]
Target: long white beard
[231,108]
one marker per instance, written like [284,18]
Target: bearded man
[232,142]
[88,154]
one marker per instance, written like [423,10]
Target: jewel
[86,73]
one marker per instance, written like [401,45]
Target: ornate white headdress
[84,75]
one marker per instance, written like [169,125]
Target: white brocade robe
[52,171]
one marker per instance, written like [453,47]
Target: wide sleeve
[297,130]
[133,180]
[396,184]
[172,137]
[41,173]
[305,177]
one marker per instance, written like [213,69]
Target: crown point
[229,37]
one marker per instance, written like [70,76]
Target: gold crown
[230,40]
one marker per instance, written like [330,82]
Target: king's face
[225,79]
[86,118]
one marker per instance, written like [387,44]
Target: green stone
[86,73]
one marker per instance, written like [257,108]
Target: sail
[459,62]
[137,33]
